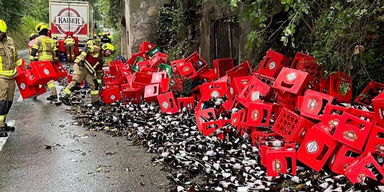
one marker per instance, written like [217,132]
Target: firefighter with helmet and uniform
[44,49]
[85,67]
[69,44]
[9,59]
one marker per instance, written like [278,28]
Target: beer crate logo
[69,19]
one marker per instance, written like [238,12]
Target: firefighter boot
[98,104]
[3,133]
[65,100]
[52,97]
[3,109]
[8,108]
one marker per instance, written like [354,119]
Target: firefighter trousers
[51,86]
[99,74]
[70,52]
[80,74]
[7,90]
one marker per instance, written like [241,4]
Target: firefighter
[56,41]
[9,59]
[44,49]
[110,36]
[69,44]
[105,39]
[32,38]
[89,42]
[84,69]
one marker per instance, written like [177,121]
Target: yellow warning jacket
[46,48]
[9,58]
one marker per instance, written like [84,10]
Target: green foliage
[21,33]
[38,9]
[343,35]
[174,22]
[12,11]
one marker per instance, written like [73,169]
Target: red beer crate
[143,65]
[126,70]
[375,141]
[307,63]
[280,159]
[258,114]
[316,148]
[364,166]
[238,118]
[352,131]
[186,69]
[157,59]
[43,70]
[371,91]
[110,94]
[115,66]
[151,92]
[287,100]
[273,63]
[252,92]
[221,66]
[340,82]
[226,106]
[292,81]
[59,70]
[158,76]
[141,80]
[237,85]
[176,63]
[205,115]
[378,106]
[213,90]
[164,85]
[27,90]
[198,63]
[208,76]
[291,126]
[187,102]
[134,95]
[364,115]
[243,69]
[207,128]
[314,103]
[167,103]
[332,115]
[265,79]
[146,46]
[341,158]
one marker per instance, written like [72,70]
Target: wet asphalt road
[79,160]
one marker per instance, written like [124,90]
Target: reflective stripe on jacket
[9,58]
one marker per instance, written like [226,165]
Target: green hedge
[21,34]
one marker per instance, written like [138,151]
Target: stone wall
[139,24]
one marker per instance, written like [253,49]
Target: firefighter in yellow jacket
[9,59]
[44,49]
[69,44]
[85,67]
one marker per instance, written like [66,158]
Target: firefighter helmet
[32,35]
[41,26]
[109,46]
[3,26]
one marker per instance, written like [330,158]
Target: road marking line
[2,142]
